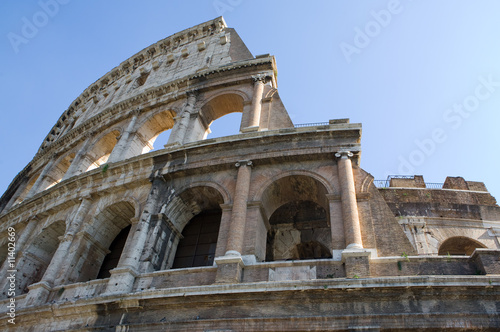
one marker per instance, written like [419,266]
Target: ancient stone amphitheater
[276,228]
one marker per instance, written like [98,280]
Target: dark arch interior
[116,248]
[299,230]
[197,247]
[459,245]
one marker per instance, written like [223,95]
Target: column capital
[136,111]
[87,198]
[67,237]
[192,93]
[259,78]
[89,134]
[344,154]
[243,163]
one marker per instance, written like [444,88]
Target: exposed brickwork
[305,241]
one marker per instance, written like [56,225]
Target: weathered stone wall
[305,240]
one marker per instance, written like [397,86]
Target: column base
[121,281]
[229,269]
[357,262]
[249,129]
[38,293]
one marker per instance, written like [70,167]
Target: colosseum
[277,228]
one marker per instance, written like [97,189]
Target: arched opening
[159,141]
[100,152]
[226,125]
[299,219]
[222,106]
[57,172]
[196,213]
[35,260]
[152,134]
[197,247]
[102,249]
[115,251]
[459,245]
[26,189]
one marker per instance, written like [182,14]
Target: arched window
[36,258]
[115,251]
[197,247]
[26,189]
[57,172]
[100,152]
[225,126]
[459,245]
[102,248]
[299,219]
[152,134]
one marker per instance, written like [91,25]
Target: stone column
[75,164]
[179,133]
[238,217]
[258,90]
[230,266]
[40,291]
[123,142]
[350,215]
[41,178]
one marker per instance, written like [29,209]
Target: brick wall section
[487,261]
[387,233]
[440,203]
[423,266]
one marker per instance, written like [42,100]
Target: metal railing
[387,184]
[299,125]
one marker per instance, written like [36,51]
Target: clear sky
[423,77]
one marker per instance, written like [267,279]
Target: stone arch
[99,235]
[148,130]
[25,191]
[38,254]
[222,104]
[196,214]
[189,202]
[56,173]
[133,201]
[459,245]
[367,181]
[226,196]
[99,152]
[298,212]
[330,187]
[271,92]
[245,97]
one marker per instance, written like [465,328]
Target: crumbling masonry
[276,228]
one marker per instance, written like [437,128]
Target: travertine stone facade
[276,228]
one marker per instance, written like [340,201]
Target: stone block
[357,263]
[229,270]
[487,260]
[457,182]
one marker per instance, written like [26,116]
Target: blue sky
[423,77]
